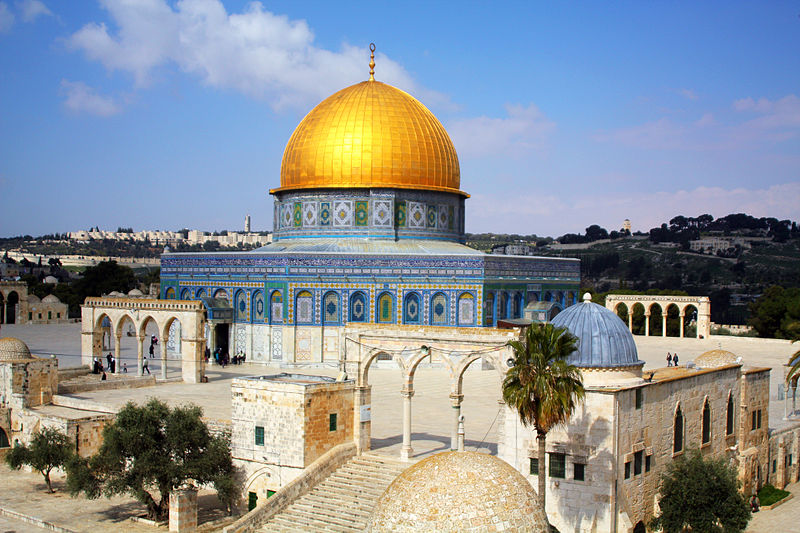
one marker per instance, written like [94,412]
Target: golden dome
[370,135]
[459,492]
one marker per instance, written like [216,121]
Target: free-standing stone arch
[701,303]
[139,311]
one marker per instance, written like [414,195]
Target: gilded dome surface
[716,358]
[12,349]
[459,491]
[370,135]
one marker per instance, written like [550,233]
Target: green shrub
[769,495]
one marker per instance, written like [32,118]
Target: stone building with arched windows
[603,467]
[369,227]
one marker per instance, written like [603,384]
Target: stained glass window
[466,309]
[488,309]
[330,308]
[439,309]
[385,307]
[358,308]
[276,308]
[411,314]
[304,308]
[502,305]
[169,294]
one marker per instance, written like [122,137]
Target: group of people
[672,359]
[222,358]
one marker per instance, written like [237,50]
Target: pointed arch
[169,294]
[488,309]
[729,420]
[466,309]
[677,430]
[439,312]
[304,308]
[331,308]
[276,307]
[240,306]
[201,293]
[705,434]
[186,294]
[384,308]
[257,311]
[412,313]
[359,310]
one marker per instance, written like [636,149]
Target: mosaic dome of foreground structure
[370,135]
[12,349]
[604,340]
[459,491]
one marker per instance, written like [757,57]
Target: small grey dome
[51,299]
[33,299]
[12,350]
[603,338]
[135,292]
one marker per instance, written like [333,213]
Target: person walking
[675,360]
[145,367]
[110,361]
[669,359]
[151,351]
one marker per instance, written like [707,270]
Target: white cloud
[80,98]
[32,9]
[688,93]
[557,215]
[780,114]
[6,18]
[255,52]
[524,130]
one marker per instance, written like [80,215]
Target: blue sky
[161,114]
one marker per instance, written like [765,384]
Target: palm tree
[541,386]
[794,359]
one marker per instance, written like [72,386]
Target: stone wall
[784,447]
[608,430]
[28,383]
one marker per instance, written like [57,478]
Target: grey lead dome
[604,340]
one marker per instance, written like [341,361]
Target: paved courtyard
[431,420]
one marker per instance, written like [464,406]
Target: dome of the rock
[459,492]
[370,135]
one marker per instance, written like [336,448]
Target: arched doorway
[690,321]
[639,528]
[622,312]
[12,300]
[673,321]
[637,311]
[656,321]
[2,309]
[4,442]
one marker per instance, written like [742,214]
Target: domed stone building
[603,467]
[369,222]
[459,492]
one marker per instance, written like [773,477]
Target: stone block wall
[335,399]
[784,446]
[183,510]
[28,383]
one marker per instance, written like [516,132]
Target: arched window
[706,433]
[729,417]
[241,306]
[439,309]
[186,294]
[304,308]
[200,293]
[276,308]
[502,305]
[330,308]
[411,311]
[169,294]
[222,294]
[677,437]
[466,309]
[358,307]
[385,310]
[4,439]
[257,306]
[488,309]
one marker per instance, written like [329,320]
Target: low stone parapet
[113,382]
[318,471]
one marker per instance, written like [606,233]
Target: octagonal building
[369,224]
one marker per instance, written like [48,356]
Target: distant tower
[247,224]
[626,224]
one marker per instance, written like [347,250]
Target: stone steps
[344,501]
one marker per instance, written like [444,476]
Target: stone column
[647,324]
[455,403]
[139,354]
[406,451]
[664,325]
[183,509]
[630,320]
[163,345]
[794,395]
[780,474]
[118,353]
[682,317]
[363,427]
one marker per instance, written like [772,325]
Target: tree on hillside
[702,495]
[150,450]
[541,386]
[49,449]
[103,278]
[772,314]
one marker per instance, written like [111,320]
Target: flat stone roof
[295,379]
